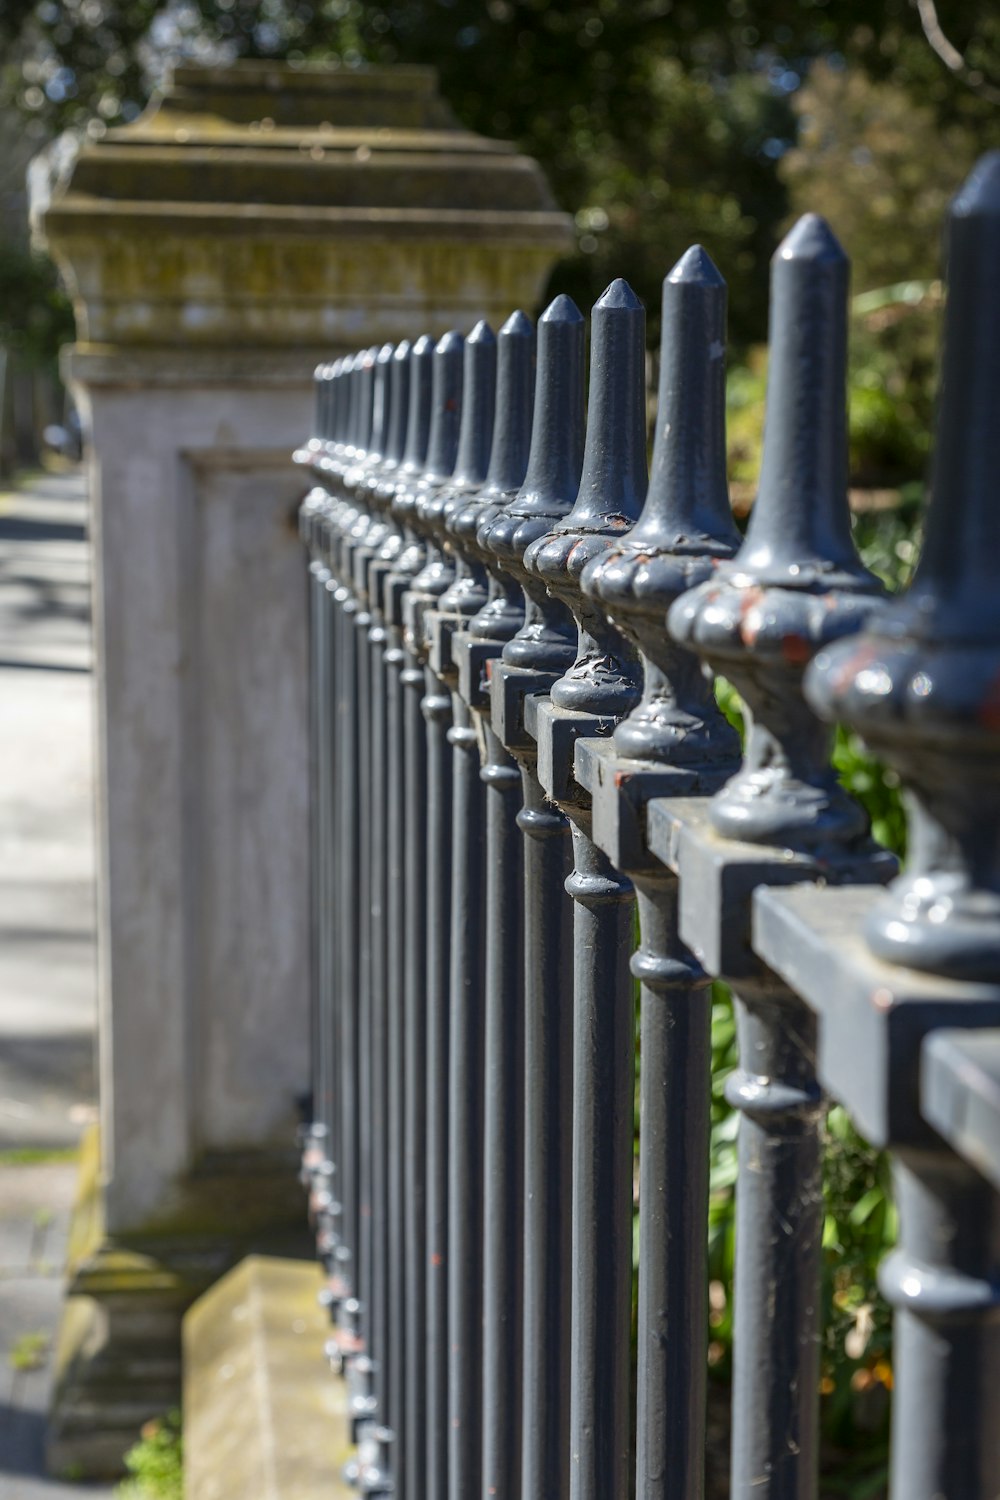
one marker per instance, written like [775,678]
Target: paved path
[47,979]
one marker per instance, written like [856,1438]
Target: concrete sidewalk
[47,944]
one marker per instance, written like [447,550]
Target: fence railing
[517,743]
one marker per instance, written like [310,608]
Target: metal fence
[516,744]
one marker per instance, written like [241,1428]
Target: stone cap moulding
[290,208]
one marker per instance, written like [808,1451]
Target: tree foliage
[659,122]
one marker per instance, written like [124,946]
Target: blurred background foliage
[659,122]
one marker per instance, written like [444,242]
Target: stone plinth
[264,206]
[253,221]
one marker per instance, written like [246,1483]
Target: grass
[155,1463]
[29,1352]
[37,1156]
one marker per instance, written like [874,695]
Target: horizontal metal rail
[537,841]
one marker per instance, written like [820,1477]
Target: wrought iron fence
[517,743]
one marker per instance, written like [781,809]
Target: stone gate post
[252,221]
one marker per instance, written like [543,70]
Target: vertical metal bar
[795,584]
[675,740]
[548,1137]
[435,706]
[465,1113]
[597,690]
[398,561]
[385,682]
[345,893]
[529,664]
[362,1366]
[503,1127]
[465,1163]
[376,1455]
[920,685]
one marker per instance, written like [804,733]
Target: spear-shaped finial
[446,408]
[466,504]
[796,583]
[479,384]
[381,402]
[502,613]
[685,530]
[418,416]
[475,436]
[921,685]
[395,422]
[547,640]
[365,367]
[603,679]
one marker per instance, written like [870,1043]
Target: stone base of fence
[119,1349]
[258,1424]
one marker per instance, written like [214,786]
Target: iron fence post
[920,685]
[598,689]
[435,706]
[550,485]
[795,584]
[674,741]
[495,1307]
[396,563]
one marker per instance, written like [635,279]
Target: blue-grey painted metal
[466,960]
[674,741]
[921,686]
[599,688]
[435,705]
[410,785]
[488,655]
[386,680]
[503,1134]
[795,584]
[363,1369]
[529,664]
[375,1474]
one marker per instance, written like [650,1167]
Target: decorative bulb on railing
[446,409]
[395,414]
[501,612]
[797,582]
[547,640]
[418,414]
[922,685]
[443,398]
[604,677]
[475,438]
[685,530]
[339,429]
[515,351]
[365,416]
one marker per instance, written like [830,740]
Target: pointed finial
[547,640]
[399,403]
[381,402]
[475,435]
[514,396]
[796,582]
[342,414]
[603,679]
[467,504]
[418,417]
[502,614]
[800,520]
[685,529]
[446,408]
[479,381]
[921,683]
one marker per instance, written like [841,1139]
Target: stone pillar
[254,220]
